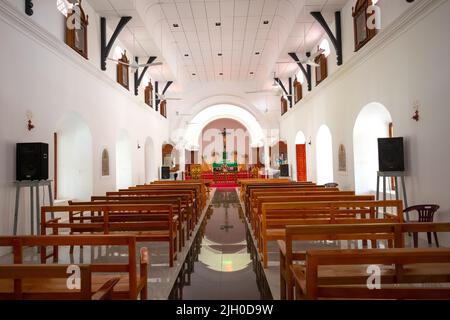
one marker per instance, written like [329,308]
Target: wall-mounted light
[416,116]
[138,145]
[30,124]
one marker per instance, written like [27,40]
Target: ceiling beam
[106,47]
[306,72]
[138,78]
[335,40]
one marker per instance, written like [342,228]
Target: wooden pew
[186,204]
[193,203]
[276,216]
[392,233]
[258,197]
[199,192]
[401,271]
[147,222]
[293,214]
[36,282]
[131,285]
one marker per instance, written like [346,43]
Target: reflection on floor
[222,263]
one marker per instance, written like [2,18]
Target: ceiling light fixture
[219,54]
[175,25]
[221,74]
[186,55]
[266,22]
[257,53]
[218,24]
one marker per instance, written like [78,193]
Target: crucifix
[224,133]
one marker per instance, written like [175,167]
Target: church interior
[224,150]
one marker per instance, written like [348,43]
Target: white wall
[394,72]
[51,80]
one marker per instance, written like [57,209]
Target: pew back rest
[18,244]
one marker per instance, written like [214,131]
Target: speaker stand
[393,174]
[32,185]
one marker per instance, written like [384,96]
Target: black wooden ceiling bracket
[287,93]
[106,47]
[158,101]
[306,72]
[138,78]
[29,7]
[336,40]
[291,101]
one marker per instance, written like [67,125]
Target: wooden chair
[425,214]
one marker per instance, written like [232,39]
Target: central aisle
[220,265]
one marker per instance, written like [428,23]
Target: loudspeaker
[165,173]
[31,161]
[284,170]
[390,154]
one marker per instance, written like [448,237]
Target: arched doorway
[372,123]
[75,158]
[149,160]
[300,156]
[124,161]
[324,155]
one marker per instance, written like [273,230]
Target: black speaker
[165,173]
[390,154]
[284,170]
[31,161]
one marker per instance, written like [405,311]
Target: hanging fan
[134,65]
[276,89]
[309,60]
[162,97]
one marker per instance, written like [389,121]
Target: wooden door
[301,162]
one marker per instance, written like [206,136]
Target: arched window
[363,34]
[284,105]
[122,71]
[322,61]
[105,163]
[298,90]
[149,94]
[163,108]
[76,27]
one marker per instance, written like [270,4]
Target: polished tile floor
[222,264]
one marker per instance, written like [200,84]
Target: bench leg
[265,254]
[436,239]
[429,238]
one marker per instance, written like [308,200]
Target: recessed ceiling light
[219,54]
[251,73]
[257,53]
[221,74]
[186,55]
[194,74]
[175,25]
[218,24]
[266,22]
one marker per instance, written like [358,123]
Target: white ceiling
[241,35]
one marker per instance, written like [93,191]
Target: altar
[225,172]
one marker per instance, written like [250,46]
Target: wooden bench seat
[121,276]
[39,282]
[392,233]
[159,225]
[163,194]
[323,276]
[182,213]
[322,212]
